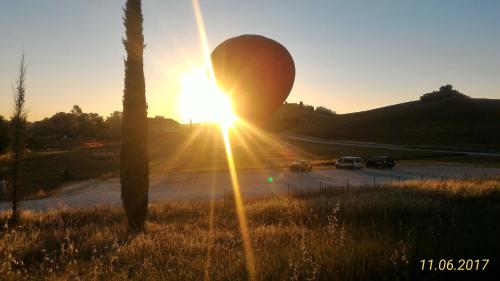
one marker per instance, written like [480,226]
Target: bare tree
[18,123]
[134,165]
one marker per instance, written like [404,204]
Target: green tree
[134,169]
[113,125]
[18,145]
[76,110]
[75,124]
[324,110]
[445,92]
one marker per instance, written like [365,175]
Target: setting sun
[201,100]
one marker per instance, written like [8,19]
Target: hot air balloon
[256,72]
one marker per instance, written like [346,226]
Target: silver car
[350,162]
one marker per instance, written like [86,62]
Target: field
[367,233]
[42,171]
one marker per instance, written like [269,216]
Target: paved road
[198,185]
[388,146]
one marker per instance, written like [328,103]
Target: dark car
[300,166]
[381,162]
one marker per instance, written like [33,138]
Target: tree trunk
[134,167]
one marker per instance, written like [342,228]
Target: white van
[350,162]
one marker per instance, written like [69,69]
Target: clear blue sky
[349,55]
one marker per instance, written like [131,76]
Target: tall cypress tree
[134,169]
[18,123]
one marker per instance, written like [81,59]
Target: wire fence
[343,184]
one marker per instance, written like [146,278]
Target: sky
[349,55]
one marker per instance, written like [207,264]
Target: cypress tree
[134,169]
[18,123]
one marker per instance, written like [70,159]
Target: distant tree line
[301,108]
[444,92]
[72,125]
[77,124]
[291,115]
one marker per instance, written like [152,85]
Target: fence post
[288,187]
[373,181]
[347,182]
[319,186]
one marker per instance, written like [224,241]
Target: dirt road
[204,185]
[388,146]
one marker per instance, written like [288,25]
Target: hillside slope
[449,121]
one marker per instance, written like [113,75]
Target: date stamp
[454,264]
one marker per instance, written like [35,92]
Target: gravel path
[203,185]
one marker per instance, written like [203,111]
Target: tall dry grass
[340,234]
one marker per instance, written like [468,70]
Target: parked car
[350,162]
[381,162]
[300,166]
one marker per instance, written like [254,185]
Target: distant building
[160,124]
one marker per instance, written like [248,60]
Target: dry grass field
[366,233]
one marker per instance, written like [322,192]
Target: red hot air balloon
[257,72]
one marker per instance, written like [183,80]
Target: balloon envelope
[257,72]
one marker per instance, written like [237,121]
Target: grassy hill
[445,118]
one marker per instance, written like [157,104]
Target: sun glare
[201,100]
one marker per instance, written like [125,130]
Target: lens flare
[225,118]
[201,100]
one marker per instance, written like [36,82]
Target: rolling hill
[445,118]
